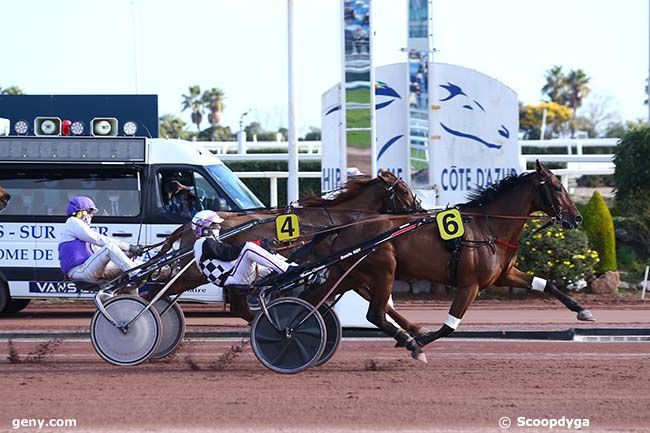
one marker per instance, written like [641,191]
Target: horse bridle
[394,199]
[558,212]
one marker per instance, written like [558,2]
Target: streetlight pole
[292,181]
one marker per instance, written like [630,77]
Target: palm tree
[213,100]
[556,85]
[193,101]
[577,90]
[172,126]
[11,90]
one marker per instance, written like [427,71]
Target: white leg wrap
[452,322]
[539,284]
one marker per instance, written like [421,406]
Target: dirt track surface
[467,386]
[369,386]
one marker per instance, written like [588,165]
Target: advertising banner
[474,123]
[391,92]
[330,137]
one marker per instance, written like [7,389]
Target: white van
[131,180]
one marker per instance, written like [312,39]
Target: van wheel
[4,296]
[16,305]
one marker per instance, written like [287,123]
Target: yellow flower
[549,263]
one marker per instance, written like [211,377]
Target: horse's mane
[486,195]
[351,189]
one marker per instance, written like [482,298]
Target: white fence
[578,162]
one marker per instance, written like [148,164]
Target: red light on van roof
[65,127]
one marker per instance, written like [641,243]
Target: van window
[234,187]
[185,192]
[41,191]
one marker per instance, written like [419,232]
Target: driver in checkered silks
[225,264]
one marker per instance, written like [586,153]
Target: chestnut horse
[495,219]
[4,199]
[360,199]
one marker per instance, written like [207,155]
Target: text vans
[143,188]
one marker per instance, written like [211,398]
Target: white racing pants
[105,264]
[244,271]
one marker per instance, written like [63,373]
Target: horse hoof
[420,356]
[586,316]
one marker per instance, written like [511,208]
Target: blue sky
[86,46]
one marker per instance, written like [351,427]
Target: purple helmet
[79,203]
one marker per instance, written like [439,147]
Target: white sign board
[391,105]
[473,122]
[330,139]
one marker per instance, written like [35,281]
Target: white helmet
[203,221]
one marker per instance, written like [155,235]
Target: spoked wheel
[173,327]
[133,345]
[283,344]
[334,334]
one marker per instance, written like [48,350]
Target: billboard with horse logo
[473,122]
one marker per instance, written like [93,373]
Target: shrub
[562,256]
[632,173]
[599,226]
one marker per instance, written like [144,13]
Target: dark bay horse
[496,217]
[360,199]
[4,198]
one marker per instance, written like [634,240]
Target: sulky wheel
[284,345]
[132,346]
[334,334]
[173,327]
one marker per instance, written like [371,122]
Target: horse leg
[412,329]
[464,297]
[239,307]
[377,316]
[515,278]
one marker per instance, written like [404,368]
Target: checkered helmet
[204,220]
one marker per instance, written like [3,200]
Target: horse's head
[4,198]
[399,198]
[554,200]
[471,113]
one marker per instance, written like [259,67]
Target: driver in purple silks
[86,255]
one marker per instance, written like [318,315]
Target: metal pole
[292,149]
[343,131]
[373,111]
[645,282]
[543,131]
[136,46]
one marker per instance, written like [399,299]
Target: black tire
[16,305]
[334,334]
[286,351]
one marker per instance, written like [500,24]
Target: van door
[178,192]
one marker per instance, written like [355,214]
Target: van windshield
[234,187]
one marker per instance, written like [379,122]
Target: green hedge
[599,226]
[260,187]
[632,173]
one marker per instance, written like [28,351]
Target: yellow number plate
[450,224]
[287,227]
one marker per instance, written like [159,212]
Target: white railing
[224,147]
[578,163]
[273,176]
